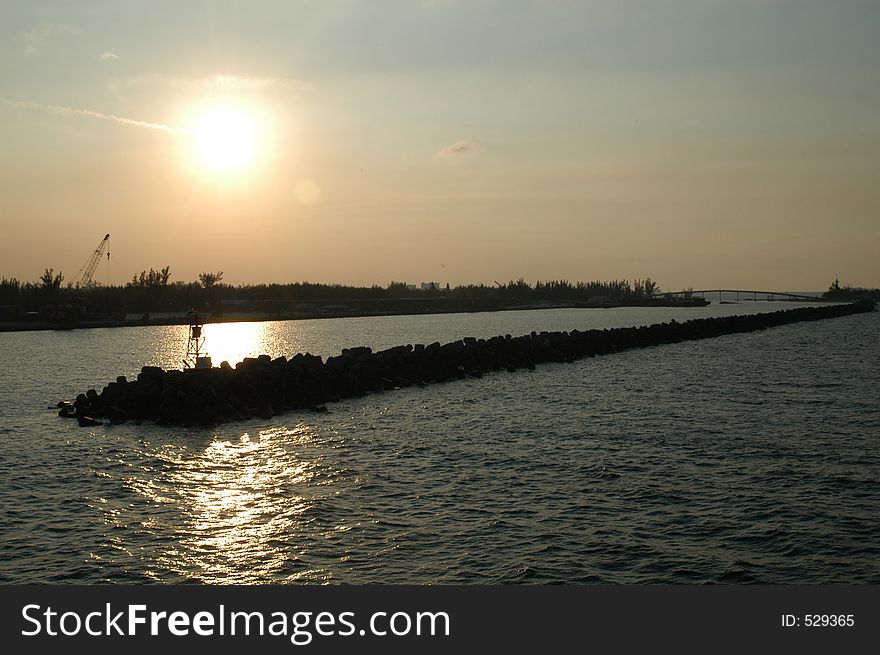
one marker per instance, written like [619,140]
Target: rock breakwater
[263,387]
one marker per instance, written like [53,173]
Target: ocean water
[750,458]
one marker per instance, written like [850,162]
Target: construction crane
[85,273]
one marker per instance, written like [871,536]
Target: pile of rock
[263,387]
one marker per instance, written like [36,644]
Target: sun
[226,140]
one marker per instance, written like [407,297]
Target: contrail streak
[73,111]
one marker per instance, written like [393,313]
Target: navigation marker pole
[196,358]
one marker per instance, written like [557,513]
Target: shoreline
[254,317]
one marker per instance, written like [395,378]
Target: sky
[703,143]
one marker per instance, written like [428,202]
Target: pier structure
[741,294]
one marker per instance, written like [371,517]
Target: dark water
[748,458]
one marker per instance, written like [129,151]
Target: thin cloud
[108,56]
[38,38]
[460,147]
[236,82]
[73,111]
[220,83]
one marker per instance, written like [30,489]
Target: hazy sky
[704,143]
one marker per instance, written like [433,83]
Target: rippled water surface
[747,458]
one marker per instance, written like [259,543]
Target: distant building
[411,287]
[333,309]
[429,286]
[236,302]
[9,312]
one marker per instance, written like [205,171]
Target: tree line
[848,292]
[154,291]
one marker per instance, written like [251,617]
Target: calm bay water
[748,458]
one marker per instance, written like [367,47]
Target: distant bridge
[744,294]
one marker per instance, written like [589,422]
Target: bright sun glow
[226,140]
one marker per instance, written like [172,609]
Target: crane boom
[84,274]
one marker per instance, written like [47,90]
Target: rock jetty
[263,387]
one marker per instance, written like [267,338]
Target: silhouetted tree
[151,279]
[645,288]
[10,291]
[49,281]
[148,289]
[208,280]
[849,292]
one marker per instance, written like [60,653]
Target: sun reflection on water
[233,342]
[238,508]
[166,345]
